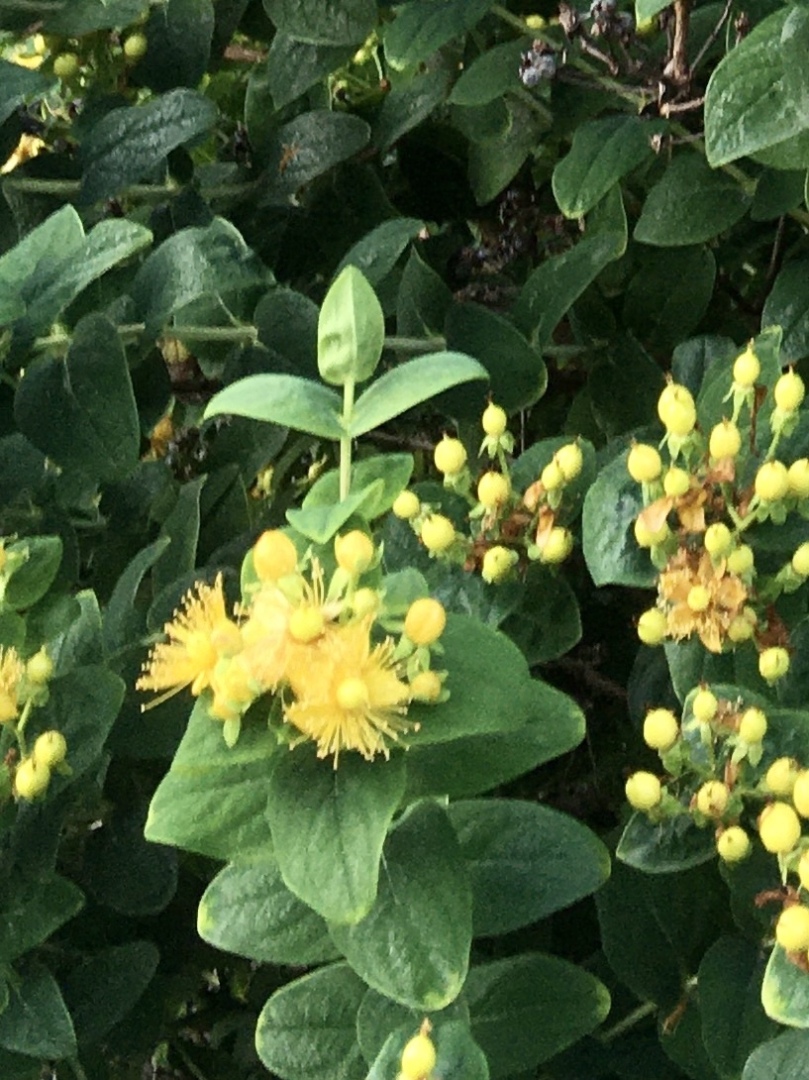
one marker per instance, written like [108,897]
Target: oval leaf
[282,399]
[350,330]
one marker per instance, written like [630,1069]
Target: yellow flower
[199,634]
[689,573]
[348,694]
[11,671]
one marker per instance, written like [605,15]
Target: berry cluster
[702,492]
[714,774]
[507,528]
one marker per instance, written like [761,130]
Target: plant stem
[628,1022]
[144,192]
[132,331]
[416,345]
[512,20]
[345,441]
[78,1070]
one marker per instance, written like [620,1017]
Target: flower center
[352,694]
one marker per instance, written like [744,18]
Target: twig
[711,38]
[776,254]
[681,106]
[677,67]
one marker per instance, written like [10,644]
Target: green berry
[66,65]
[135,46]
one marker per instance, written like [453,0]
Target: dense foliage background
[580,201]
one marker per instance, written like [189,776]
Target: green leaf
[210,262]
[301,404]
[733,1021]
[178,34]
[127,144]
[787,306]
[495,158]
[80,17]
[409,384]
[393,470]
[83,705]
[528,1008]
[558,282]
[30,911]
[309,146]
[664,847]
[322,523]
[36,1022]
[517,373]
[784,1057]
[328,826]
[293,66]
[122,622]
[102,989]
[410,102]
[62,232]
[777,193]
[785,991]
[647,9]
[350,330]
[525,861]
[213,799]
[413,945]
[377,253]
[610,508]
[669,294]
[335,22]
[56,282]
[421,27]
[181,527]
[478,763]
[690,204]
[458,1057]
[247,910]
[603,152]
[31,580]
[490,75]
[379,1018]
[423,299]
[307,1030]
[18,85]
[748,105]
[81,411]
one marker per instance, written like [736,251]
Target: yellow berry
[437,533]
[753,725]
[725,440]
[31,779]
[660,729]
[652,627]
[739,630]
[781,776]
[354,552]
[50,749]
[66,65]
[494,420]
[365,602]
[135,46]
[274,555]
[306,624]
[772,481]
[570,460]
[552,478]
[803,870]
[789,391]
[704,706]
[800,560]
[712,798]
[717,539]
[643,791]
[645,538]
[558,545]
[792,928]
[643,463]
[406,505]
[676,482]
[741,560]
[800,793]
[773,663]
[497,564]
[39,667]
[779,828]
[40,44]
[746,369]
[733,845]
[698,599]
[449,456]
[418,1058]
[493,490]
[426,686]
[425,621]
[798,478]
[677,410]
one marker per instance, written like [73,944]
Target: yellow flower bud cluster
[33,774]
[344,687]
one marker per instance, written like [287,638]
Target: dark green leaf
[282,399]
[31,911]
[105,987]
[777,192]
[247,910]
[785,991]
[784,1057]
[81,411]
[18,85]
[525,861]
[377,253]
[179,558]
[495,160]
[294,66]
[122,622]
[421,27]
[610,508]
[123,871]
[409,103]
[324,22]
[36,1021]
[308,1029]
[423,299]
[492,74]
[83,705]
[328,827]
[528,1008]
[322,523]
[458,1057]
[413,945]
[80,17]
[664,847]
[669,294]
[34,576]
[179,36]
[310,145]
[787,306]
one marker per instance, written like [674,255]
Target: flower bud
[558,545]
[712,798]
[746,369]
[717,539]
[493,490]
[552,478]
[676,482]
[733,845]
[781,776]
[437,533]
[449,456]
[645,538]
[800,793]
[643,791]
[50,749]
[494,420]
[773,663]
[753,725]
[677,410]
[789,391]
[425,621]
[406,505]
[274,555]
[779,828]
[426,687]
[643,463]
[725,440]
[798,478]
[31,779]
[418,1058]
[772,481]
[652,627]
[660,729]
[39,667]
[792,928]
[497,564]
[704,706]
[741,560]
[354,552]
[570,460]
